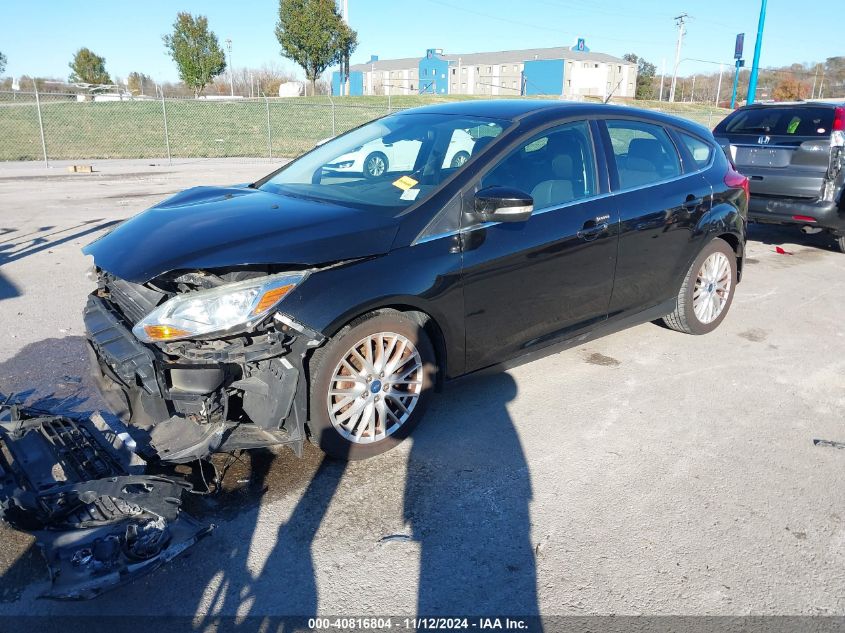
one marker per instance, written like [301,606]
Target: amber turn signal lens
[164,332]
[271,298]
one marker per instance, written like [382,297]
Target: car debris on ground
[100,514]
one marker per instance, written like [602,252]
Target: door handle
[692,202]
[592,232]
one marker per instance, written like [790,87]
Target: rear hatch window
[779,121]
[784,150]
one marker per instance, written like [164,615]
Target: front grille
[134,301]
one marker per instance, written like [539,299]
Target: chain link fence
[52,126]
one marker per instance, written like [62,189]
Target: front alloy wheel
[375,165]
[375,387]
[369,385]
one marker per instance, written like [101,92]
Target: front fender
[423,277]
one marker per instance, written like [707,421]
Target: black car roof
[513,109]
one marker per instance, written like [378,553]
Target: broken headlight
[237,305]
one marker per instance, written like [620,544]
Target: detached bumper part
[78,486]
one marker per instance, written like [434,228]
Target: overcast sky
[39,37]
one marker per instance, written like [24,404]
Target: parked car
[793,154]
[375,158]
[312,303]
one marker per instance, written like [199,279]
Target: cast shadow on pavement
[466,501]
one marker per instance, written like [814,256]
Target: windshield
[779,121]
[390,163]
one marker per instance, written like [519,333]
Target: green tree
[2,62]
[195,50]
[88,68]
[138,83]
[313,34]
[646,72]
[347,42]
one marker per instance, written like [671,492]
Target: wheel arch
[419,314]
[738,248]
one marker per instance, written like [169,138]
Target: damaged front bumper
[191,398]
[80,488]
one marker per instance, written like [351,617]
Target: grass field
[196,128]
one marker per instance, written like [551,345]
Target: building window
[412,86]
[464,69]
[586,65]
[454,71]
[619,69]
[489,70]
[596,66]
[443,75]
[463,86]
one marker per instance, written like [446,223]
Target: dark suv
[793,154]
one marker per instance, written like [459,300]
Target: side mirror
[503,204]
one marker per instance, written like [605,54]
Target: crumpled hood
[213,227]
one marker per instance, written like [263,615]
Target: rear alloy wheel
[840,242]
[707,291]
[459,159]
[370,386]
[375,165]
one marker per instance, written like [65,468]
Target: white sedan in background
[376,158]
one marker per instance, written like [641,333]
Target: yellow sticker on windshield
[404,183]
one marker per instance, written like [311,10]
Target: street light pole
[752,82]
[231,70]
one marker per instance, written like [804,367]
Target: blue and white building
[571,72]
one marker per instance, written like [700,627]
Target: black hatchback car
[794,156]
[322,303]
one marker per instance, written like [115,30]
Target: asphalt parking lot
[648,472]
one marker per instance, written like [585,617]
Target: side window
[700,151]
[555,167]
[644,153]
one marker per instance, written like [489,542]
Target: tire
[375,165]
[459,159]
[377,400]
[685,317]
[840,242]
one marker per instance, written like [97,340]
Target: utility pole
[719,85]
[679,20]
[755,65]
[662,78]
[344,62]
[231,70]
